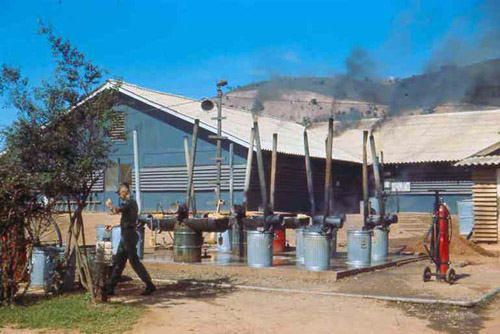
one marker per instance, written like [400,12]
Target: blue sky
[184,46]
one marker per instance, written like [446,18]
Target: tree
[62,136]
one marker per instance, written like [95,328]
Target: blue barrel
[333,243]
[299,244]
[260,248]
[380,244]
[465,210]
[359,248]
[43,263]
[116,236]
[317,251]
[224,241]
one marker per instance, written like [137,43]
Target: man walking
[127,249]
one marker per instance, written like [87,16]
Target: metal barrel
[316,251]
[116,237]
[239,236]
[359,248]
[224,241]
[333,243]
[187,244]
[299,244]
[101,234]
[260,249]
[380,244]
[43,263]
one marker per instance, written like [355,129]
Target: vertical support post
[187,155]
[366,204]
[219,147]
[231,176]
[248,171]
[137,172]
[328,167]
[376,175]
[310,188]
[260,165]
[274,158]
[193,160]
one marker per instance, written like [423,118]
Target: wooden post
[260,165]
[274,158]
[310,188]
[193,160]
[366,205]
[187,155]
[248,171]
[231,176]
[328,167]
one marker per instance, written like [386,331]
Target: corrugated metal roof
[490,160]
[237,125]
[423,138]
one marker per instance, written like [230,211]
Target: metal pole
[376,174]
[328,167]
[248,172]
[137,172]
[187,155]
[193,159]
[231,175]
[310,188]
[274,158]
[219,147]
[366,206]
[260,165]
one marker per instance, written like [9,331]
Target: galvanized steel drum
[101,234]
[187,244]
[299,244]
[260,248]
[224,241]
[116,237]
[239,249]
[333,243]
[380,244]
[316,251]
[359,248]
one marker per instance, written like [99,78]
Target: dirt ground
[183,308]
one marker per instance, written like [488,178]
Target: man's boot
[150,288]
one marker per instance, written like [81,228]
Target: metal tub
[316,251]
[359,248]
[380,244]
[299,244]
[260,249]
[187,244]
[116,236]
[224,241]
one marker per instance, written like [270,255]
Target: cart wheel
[427,274]
[451,276]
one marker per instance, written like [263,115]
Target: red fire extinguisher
[439,235]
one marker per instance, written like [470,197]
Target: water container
[224,241]
[187,244]
[380,244]
[465,210]
[44,260]
[260,249]
[279,242]
[299,244]
[359,248]
[317,251]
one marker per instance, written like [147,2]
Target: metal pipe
[366,206]
[137,172]
[231,175]
[274,158]
[193,160]
[328,167]
[248,172]
[376,175]
[310,188]
[219,146]
[260,165]
[187,155]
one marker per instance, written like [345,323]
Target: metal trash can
[187,244]
[224,241]
[116,236]
[359,248]
[260,248]
[316,251]
[380,244]
[299,244]
[101,234]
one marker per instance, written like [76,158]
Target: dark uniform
[127,249]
